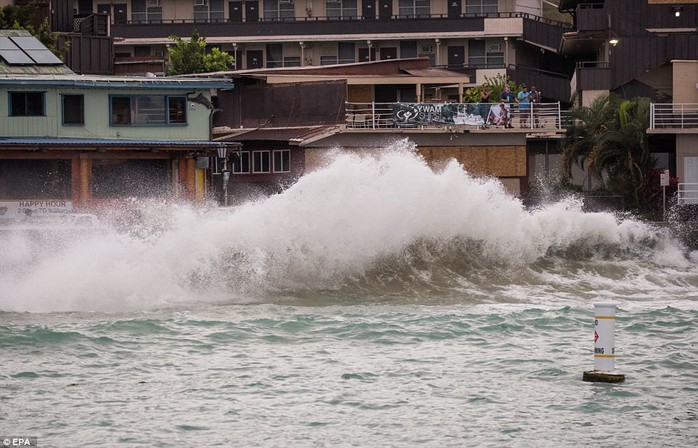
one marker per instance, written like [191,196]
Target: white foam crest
[334,222]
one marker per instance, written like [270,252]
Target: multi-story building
[478,37]
[643,48]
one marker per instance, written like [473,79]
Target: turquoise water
[341,313]
[355,375]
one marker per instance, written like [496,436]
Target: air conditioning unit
[285,1]
[426,49]
[200,2]
[494,48]
[153,3]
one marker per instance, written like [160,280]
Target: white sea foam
[341,222]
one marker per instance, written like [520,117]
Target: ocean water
[376,303]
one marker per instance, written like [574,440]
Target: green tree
[626,156]
[495,84]
[582,142]
[608,140]
[20,18]
[191,56]
[50,40]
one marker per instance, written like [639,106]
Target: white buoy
[604,345]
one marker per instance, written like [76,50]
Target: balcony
[673,117]
[272,29]
[594,75]
[591,17]
[541,118]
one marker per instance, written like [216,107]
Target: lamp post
[223,154]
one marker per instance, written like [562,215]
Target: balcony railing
[674,116]
[317,25]
[687,194]
[443,115]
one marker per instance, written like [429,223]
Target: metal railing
[687,194]
[445,115]
[674,115]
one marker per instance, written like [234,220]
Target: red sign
[596,336]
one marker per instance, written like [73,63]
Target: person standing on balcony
[524,100]
[507,99]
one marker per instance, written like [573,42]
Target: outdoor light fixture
[677,11]
[613,41]
[223,154]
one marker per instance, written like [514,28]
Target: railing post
[559,116]
[682,116]
[373,115]
[651,115]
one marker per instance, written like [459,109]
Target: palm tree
[582,144]
[608,139]
[626,154]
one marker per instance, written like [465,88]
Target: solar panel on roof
[12,54]
[27,42]
[36,50]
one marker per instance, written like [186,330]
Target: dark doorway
[456,56]
[389,53]
[386,9]
[454,9]
[255,59]
[235,11]
[121,13]
[368,9]
[252,11]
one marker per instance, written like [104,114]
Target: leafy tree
[20,17]
[191,56]
[609,141]
[495,84]
[582,142]
[50,40]
[17,16]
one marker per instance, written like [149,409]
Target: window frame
[136,111]
[81,112]
[27,111]
[286,162]
[244,159]
[264,160]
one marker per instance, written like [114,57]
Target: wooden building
[89,141]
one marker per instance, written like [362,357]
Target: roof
[71,143]
[299,136]
[32,68]
[387,69]
[114,82]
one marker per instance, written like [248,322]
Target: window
[177,109]
[481,6]
[347,52]
[282,161]
[148,11]
[476,54]
[414,8]
[275,56]
[338,9]
[148,110]
[260,161]
[73,109]
[27,104]
[408,49]
[279,10]
[208,10]
[241,162]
